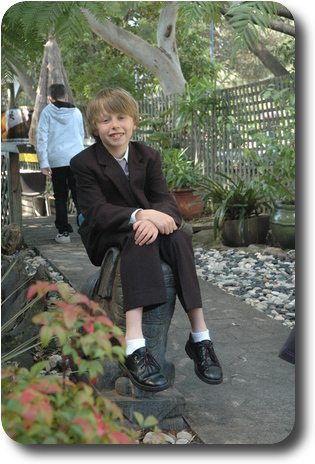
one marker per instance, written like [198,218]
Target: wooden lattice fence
[221,142]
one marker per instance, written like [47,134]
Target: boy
[60,136]
[125,202]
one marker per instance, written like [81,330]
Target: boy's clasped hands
[150,223]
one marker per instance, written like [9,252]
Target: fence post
[14,190]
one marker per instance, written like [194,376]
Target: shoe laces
[208,353]
[150,362]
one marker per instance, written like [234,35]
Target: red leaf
[30,412]
[122,439]
[89,327]
[46,386]
[101,428]
[27,395]
[78,298]
[69,318]
[105,320]
[41,288]
[85,424]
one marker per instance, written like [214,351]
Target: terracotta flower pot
[183,199]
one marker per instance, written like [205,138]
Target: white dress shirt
[125,157]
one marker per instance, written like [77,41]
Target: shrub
[52,410]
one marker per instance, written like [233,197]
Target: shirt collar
[126,155]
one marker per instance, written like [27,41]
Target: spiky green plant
[231,200]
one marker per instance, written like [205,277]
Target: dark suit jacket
[107,199]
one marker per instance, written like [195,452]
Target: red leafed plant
[53,410]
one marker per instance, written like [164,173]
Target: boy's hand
[165,223]
[46,172]
[145,232]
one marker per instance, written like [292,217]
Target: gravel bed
[263,277]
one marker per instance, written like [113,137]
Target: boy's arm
[42,142]
[81,128]
[164,222]
[98,212]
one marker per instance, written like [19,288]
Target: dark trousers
[142,277]
[63,180]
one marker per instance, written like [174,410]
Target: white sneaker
[63,238]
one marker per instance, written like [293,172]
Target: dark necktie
[124,165]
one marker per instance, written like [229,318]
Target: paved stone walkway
[255,404]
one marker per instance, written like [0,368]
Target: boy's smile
[115,131]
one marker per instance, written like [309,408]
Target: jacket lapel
[113,171]
[137,176]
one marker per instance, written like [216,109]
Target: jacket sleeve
[42,141]
[99,214]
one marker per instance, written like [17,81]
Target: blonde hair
[111,100]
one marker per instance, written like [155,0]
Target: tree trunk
[52,72]
[163,61]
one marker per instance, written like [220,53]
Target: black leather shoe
[144,371]
[207,366]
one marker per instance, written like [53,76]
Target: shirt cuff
[133,216]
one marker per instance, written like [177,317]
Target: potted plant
[237,211]
[275,164]
[183,179]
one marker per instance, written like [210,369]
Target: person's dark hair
[57,91]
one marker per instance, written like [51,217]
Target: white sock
[200,336]
[133,345]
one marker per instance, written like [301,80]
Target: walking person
[60,136]
[125,202]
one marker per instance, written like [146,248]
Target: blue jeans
[63,180]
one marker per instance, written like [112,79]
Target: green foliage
[92,64]
[27,25]
[50,410]
[244,17]
[235,200]
[180,172]
[200,97]
[275,158]
[194,12]
[159,132]
[145,423]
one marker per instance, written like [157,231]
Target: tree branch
[262,53]
[268,59]
[163,62]
[275,25]
[282,27]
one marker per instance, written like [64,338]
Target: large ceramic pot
[184,198]
[255,231]
[282,224]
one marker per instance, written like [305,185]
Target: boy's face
[115,131]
